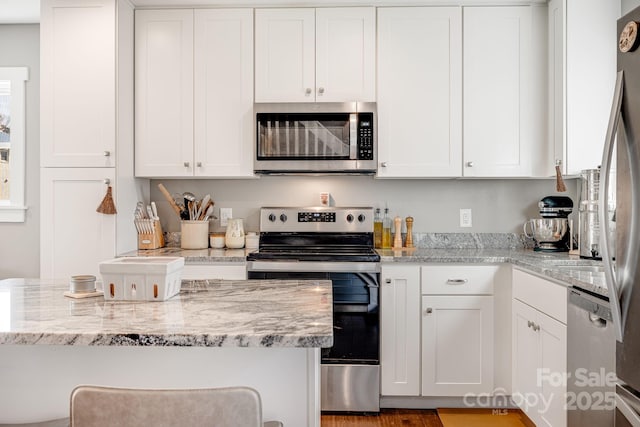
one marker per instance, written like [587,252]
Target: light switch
[465,217]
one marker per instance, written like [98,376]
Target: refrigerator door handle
[627,411]
[614,118]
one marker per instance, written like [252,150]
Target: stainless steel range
[334,243]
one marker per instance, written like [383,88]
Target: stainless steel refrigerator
[621,250]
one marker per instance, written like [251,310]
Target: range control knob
[361,218]
[283,218]
[349,218]
[272,217]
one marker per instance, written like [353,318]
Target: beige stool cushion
[93,406]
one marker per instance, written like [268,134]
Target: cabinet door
[553,366]
[224,93]
[497,105]
[285,55]
[457,345]
[400,330]
[419,91]
[345,54]
[526,357]
[74,238]
[78,83]
[164,93]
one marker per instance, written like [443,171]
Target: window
[12,143]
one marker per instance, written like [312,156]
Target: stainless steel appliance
[590,356]
[551,233]
[329,138]
[589,235]
[589,219]
[336,244]
[623,278]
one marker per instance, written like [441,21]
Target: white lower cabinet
[75,238]
[448,349]
[457,345]
[539,348]
[400,330]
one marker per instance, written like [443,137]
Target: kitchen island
[262,334]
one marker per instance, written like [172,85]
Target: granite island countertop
[559,266]
[207,313]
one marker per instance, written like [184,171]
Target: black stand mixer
[551,232]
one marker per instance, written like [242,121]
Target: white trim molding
[14,209]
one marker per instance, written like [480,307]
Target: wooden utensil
[397,239]
[167,196]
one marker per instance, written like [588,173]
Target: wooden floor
[387,418]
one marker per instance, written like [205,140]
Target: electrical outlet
[465,217]
[225,214]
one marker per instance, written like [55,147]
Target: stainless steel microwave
[315,139]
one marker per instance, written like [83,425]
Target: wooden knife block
[153,240]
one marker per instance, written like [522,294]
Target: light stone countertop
[214,313]
[559,266]
[548,264]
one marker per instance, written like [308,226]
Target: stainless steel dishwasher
[591,353]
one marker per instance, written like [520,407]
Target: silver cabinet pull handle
[456,281]
[186,164]
[536,328]
[107,153]
[529,323]
[383,164]
[320,90]
[307,91]
[469,164]
[199,164]
[429,310]
[107,181]
[387,281]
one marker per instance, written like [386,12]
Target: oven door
[350,371]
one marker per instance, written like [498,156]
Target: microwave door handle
[353,136]
[614,122]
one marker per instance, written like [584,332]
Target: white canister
[194,234]
[216,240]
[234,237]
[251,240]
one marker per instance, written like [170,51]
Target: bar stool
[95,406]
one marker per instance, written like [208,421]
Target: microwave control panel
[365,136]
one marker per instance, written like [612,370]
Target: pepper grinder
[409,241]
[397,239]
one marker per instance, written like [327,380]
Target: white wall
[629,5]
[498,206]
[20,242]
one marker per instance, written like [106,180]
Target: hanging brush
[107,206]
[560,187]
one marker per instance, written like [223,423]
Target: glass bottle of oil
[386,230]
[377,229]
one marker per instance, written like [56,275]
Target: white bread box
[142,278]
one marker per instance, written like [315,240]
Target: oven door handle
[312,266]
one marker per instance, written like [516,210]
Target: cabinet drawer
[215,271]
[543,295]
[458,279]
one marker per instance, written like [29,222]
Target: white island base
[37,380]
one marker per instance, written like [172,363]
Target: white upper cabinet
[224,93]
[194,93]
[315,55]
[420,92]
[77,99]
[582,50]
[461,91]
[164,92]
[285,55]
[498,139]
